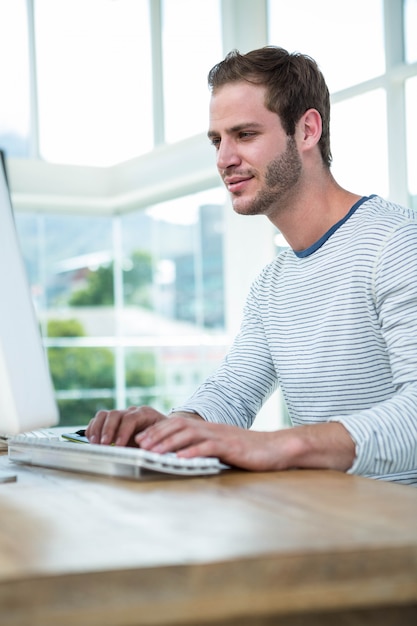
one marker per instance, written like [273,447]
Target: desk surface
[77,549]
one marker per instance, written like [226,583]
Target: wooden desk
[292,548]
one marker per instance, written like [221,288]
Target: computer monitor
[27,400]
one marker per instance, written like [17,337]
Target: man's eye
[215,142]
[247,135]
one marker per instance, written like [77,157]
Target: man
[333,320]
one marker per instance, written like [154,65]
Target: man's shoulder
[385,228]
[381,209]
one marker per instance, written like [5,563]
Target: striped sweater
[336,327]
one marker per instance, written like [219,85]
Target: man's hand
[327,445]
[120,427]
[233,445]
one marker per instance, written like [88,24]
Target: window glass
[174,263]
[345,38]
[410,28]
[359,143]
[14,78]
[191,40]
[60,254]
[94,80]
[165,376]
[136,319]
[173,285]
[84,379]
[411,121]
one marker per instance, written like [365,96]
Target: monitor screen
[27,398]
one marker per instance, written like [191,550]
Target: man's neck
[311,213]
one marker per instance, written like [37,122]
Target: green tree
[137,281]
[99,289]
[77,368]
[140,369]
[65,328]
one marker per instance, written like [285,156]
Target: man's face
[258,162]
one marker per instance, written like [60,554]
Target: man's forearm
[327,445]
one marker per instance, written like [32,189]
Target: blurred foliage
[137,283]
[65,328]
[79,412]
[78,367]
[90,368]
[140,369]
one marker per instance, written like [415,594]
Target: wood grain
[299,545]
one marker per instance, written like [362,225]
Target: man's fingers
[176,434]
[119,427]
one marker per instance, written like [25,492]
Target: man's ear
[309,129]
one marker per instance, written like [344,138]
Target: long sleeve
[246,378]
[386,434]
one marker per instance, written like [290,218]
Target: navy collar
[318,244]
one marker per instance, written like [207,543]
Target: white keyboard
[40,433]
[108,460]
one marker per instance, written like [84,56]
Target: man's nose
[227,155]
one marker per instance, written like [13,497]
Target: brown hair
[293,81]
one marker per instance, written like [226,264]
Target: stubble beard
[281,178]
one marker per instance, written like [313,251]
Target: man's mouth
[236,183]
